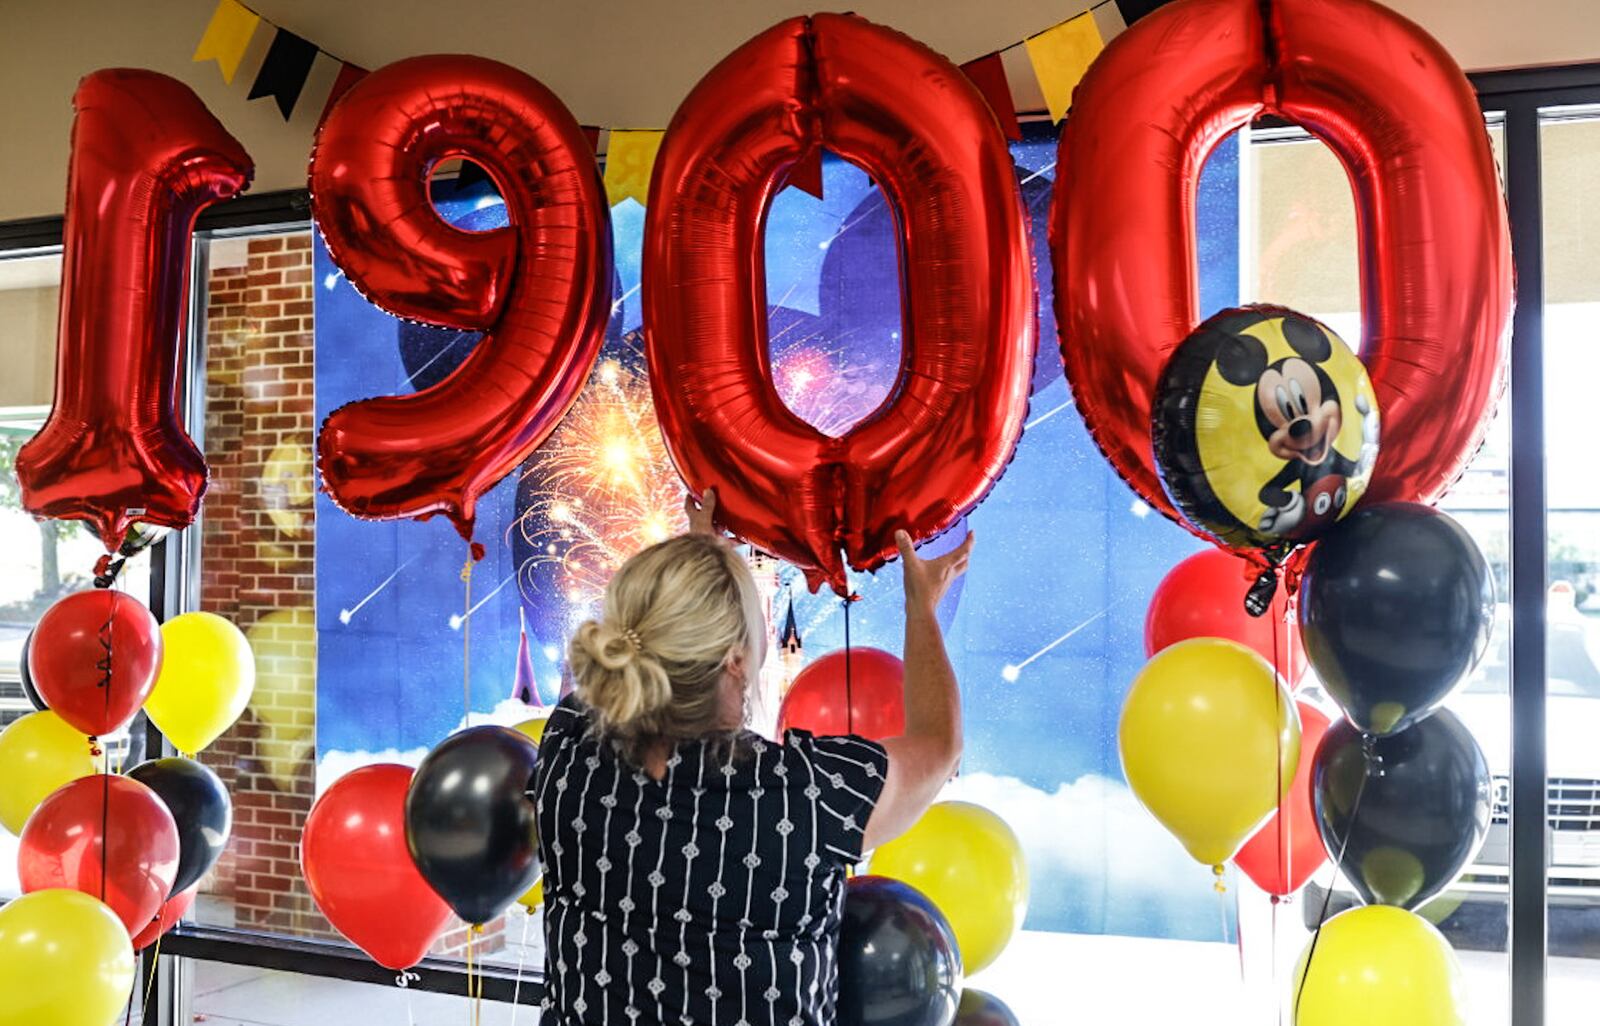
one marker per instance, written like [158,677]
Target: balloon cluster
[109,862]
[946,896]
[389,853]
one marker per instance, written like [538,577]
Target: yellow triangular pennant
[232,25]
[1060,56]
[630,155]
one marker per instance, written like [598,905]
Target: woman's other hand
[927,580]
[702,513]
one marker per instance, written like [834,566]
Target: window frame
[1518,95]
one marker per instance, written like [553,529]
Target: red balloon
[1404,121]
[103,820]
[539,289]
[1281,856]
[94,657]
[147,157]
[1203,597]
[171,914]
[871,704]
[928,138]
[360,873]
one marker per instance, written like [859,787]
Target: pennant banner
[283,73]
[630,156]
[227,37]
[1058,56]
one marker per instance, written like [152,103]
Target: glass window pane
[233,995]
[40,560]
[1301,251]
[1569,141]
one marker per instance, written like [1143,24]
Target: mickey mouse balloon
[1265,429]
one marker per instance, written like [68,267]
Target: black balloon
[1395,608]
[34,699]
[980,1009]
[1409,811]
[470,821]
[199,805]
[898,961]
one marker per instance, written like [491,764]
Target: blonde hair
[651,667]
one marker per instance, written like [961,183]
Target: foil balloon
[1435,252]
[539,289]
[1265,429]
[147,158]
[926,135]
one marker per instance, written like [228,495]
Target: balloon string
[472,1015]
[466,642]
[522,958]
[849,693]
[1338,864]
[150,982]
[1284,857]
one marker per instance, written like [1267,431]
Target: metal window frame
[1521,95]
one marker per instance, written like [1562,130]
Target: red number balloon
[929,139]
[1401,117]
[147,157]
[540,289]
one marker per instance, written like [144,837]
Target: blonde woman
[694,873]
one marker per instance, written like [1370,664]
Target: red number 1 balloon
[929,139]
[1435,253]
[540,289]
[147,157]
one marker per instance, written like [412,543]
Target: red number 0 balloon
[541,288]
[1395,109]
[926,135]
[147,157]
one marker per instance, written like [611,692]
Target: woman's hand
[927,580]
[702,513]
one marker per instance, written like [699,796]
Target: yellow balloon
[65,960]
[1210,741]
[534,899]
[38,754]
[969,863]
[207,674]
[533,728]
[1378,966]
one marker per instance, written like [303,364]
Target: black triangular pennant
[283,73]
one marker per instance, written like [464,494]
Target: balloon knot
[466,571]
[1221,885]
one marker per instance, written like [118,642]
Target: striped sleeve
[844,777]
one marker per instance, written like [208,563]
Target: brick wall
[258,571]
[257,565]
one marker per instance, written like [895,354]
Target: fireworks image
[600,488]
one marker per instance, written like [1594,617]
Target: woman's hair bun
[617,676]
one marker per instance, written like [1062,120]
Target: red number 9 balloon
[928,138]
[540,289]
[1434,248]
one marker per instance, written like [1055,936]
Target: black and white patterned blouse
[710,897]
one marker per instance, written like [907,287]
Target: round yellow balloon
[1210,741]
[534,899]
[1378,966]
[969,863]
[207,674]
[65,960]
[39,753]
[533,728]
